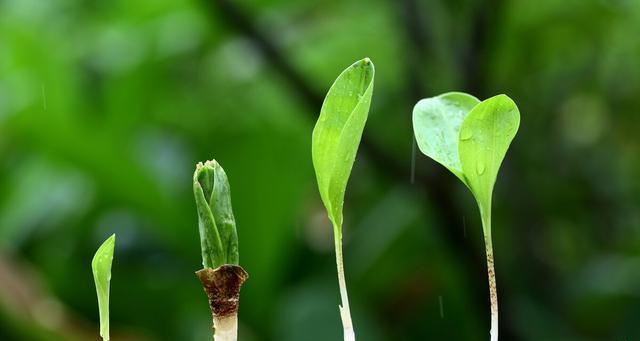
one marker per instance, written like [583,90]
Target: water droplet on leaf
[466,135]
[480,167]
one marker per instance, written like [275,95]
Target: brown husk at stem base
[222,286]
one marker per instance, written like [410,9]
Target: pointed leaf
[485,136]
[436,126]
[337,134]
[101,266]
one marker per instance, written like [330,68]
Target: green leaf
[338,132]
[485,136]
[101,266]
[217,225]
[436,125]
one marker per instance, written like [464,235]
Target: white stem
[493,293]
[226,328]
[491,273]
[345,313]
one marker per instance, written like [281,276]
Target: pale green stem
[493,291]
[345,313]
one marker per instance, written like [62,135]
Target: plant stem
[222,286]
[225,328]
[493,290]
[345,313]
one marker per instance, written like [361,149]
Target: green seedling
[335,142]
[221,275]
[470,138]
[101,266]
[217,225]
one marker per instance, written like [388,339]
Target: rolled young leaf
[101,266]
[217,226]
[334,145]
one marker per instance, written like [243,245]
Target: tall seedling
[335,142]
[101,266]
[470,138]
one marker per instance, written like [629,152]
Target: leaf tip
[503,97]
[366,63]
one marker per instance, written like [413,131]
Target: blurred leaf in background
[105,107]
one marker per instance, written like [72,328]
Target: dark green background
[106,106]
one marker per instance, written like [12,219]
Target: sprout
[221,276]
[335,142]
[101,266]
[470,138]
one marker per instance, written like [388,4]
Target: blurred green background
[106,106]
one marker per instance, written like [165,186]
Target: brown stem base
[222,286]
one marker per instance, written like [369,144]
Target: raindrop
[466,135]
[480,167]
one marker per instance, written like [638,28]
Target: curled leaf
[217,225]
[338,132]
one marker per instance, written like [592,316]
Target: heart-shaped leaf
[101,266]
[337,134]
[436,124]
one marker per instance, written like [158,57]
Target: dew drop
[466,135]
[480,167]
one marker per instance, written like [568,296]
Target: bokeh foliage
[106,106]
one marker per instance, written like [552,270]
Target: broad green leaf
[337,134]
[485,136]
[217,226]
[436,126]
[101,266]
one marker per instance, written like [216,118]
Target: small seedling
[101,266]
[470,138]
[221,275]
[335,142]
